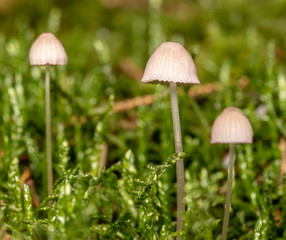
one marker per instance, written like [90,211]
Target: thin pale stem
[180,163]
[229,192]
[48,134]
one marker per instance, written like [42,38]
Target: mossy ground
[239,50]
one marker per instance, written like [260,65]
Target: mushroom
[46,51]
[172,64]
[231,127]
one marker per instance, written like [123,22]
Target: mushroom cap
[171,63]
[47,50]
[231,126]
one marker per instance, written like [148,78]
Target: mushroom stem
[48,134]
[229,192]
[180,163]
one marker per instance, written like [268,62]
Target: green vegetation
[239,50]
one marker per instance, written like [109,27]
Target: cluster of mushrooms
[169,64]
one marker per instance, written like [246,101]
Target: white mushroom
[47,50]
[231,127]
[172,64]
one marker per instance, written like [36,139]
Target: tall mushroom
[231,127]
[172,64]
[46,51]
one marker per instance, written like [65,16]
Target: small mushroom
[47,50]
[172,64]
[231,127]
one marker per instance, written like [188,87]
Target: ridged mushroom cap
[47,50]
[171,63]
[231,126]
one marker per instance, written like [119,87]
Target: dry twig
[131,69]
[204,89]
[5,235]
[35,197]
[282,147]
[132,103]
[128,104]
[103,158]
[26,177]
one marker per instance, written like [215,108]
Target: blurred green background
[239,50]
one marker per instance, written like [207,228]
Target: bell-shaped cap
[171,63]
[47,50]
[231,126]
